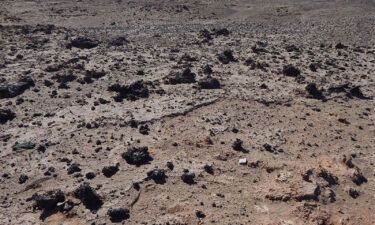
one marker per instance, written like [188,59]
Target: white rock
[242,161]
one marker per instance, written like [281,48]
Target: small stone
[200,214]
[237,145]
[209,168]
[144,129]
[242,161]
[353,193]
[170,165]
[22,179]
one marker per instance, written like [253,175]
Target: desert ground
[179,112]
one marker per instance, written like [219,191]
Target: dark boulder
[88,196]
[359,179]
[119,41]
[226,57]
[22,179]
[223,31]
[237,145]
[137,156]
[314,92]
[74,168]
[291,71]
[158,175]
[19,147]
[6,115]
[93,74]
[109,171]
[83,43]
[291,48]
[118,214]
[144,129]
[184,77]
[12,90]
[341,46]
[90,175]
[188,177]
[48,200]
[209,83]
[132,92]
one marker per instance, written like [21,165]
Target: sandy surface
[284,86]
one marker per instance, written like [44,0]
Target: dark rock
[90,175]
[74,168]
[263,86]
[22,179]
[200,214]
[237,145]
[144,129]
[64,79]
[23,146]
[207,69]
[314,67]
[136,185]
[6,115]
[353,193]
[137,156]
[223,31]
[187,58]
[358,178]
[140,73]
[269,148]
[205,34]
[340,46]
[291,48]
[158,175]
[259,48]
[109,171]
[291,71]
[331,180]
[226,57]
[356,92]
[48,200]
[93,74]
[133,123]
[170,165]
[103,101]
[118,215]
[186,77]
[83,43]
[209,83]
[131,92]
[88,196]
[119,41]
[188,177]
[12,90]
[67,206]
[314,91]
[209,168]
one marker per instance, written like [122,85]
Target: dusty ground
[287,85]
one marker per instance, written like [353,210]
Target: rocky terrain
[182,112]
